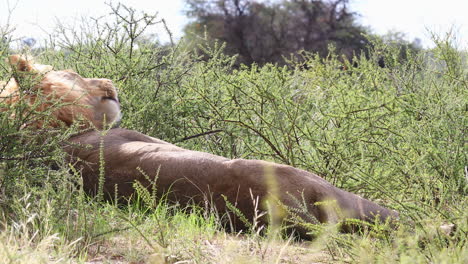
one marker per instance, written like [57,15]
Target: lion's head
[93,101]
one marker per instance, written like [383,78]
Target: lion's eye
[109,98]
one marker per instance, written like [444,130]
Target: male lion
[185,176]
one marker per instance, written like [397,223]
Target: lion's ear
[26,64]
[21,63]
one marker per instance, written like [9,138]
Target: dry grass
[221,248]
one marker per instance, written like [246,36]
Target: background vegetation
[393,134]
[274,31]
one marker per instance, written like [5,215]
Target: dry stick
[202,134]
[139,231]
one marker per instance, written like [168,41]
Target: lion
[182,175]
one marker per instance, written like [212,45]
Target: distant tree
[392,49]
[266,31]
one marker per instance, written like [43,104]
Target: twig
[202,134]
[272,146]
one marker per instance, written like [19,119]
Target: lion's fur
[189,176]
